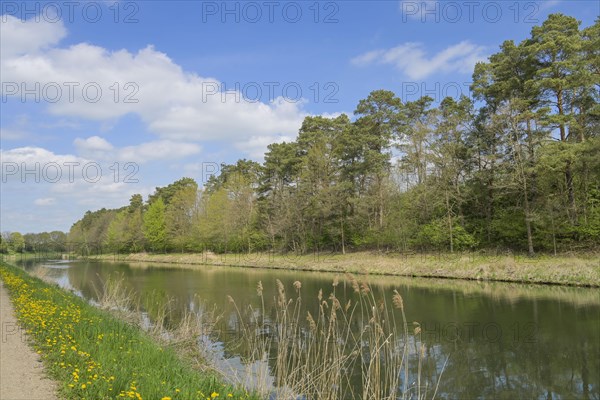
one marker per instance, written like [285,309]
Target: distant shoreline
[578,270]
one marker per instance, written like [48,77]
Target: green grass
[94,355]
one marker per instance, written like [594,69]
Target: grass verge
[573,270]
[94,355]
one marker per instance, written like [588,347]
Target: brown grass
[313,360]
[581,270]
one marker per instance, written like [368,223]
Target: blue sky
[160,66]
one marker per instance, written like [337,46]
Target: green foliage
[508,228]
[436,235]
[17,242]
[169,191]
[180,216]
[521,172]
[115,233]
[155,227]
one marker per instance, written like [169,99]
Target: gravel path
[21,371]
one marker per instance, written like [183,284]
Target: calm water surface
[498,340]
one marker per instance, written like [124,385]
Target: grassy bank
[12,257]
[94,355]
[579,270]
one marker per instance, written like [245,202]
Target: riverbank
[579,270]
[93,354]
[14,257]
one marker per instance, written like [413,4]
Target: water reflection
[491,340]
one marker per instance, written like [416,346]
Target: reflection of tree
[543,369]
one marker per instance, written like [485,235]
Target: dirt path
[21,370]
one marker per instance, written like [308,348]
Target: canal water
[480,339]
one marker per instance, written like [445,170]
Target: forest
[515,166]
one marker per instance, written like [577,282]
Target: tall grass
[114,295]
[316,356]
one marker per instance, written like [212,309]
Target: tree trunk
[568,172]
[450,223]
[489,207]
[528,223]
[569,180]
[380,203]
[343,238]
[553,232]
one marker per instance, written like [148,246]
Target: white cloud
[411,59]
[18,37]
[174,104]
[29,174]
[93,143]
[99,148]
[368,57]
[42,169]
[32,156]
[46,201]
[158,150]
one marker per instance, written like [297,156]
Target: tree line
[517,166]
[44,242]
